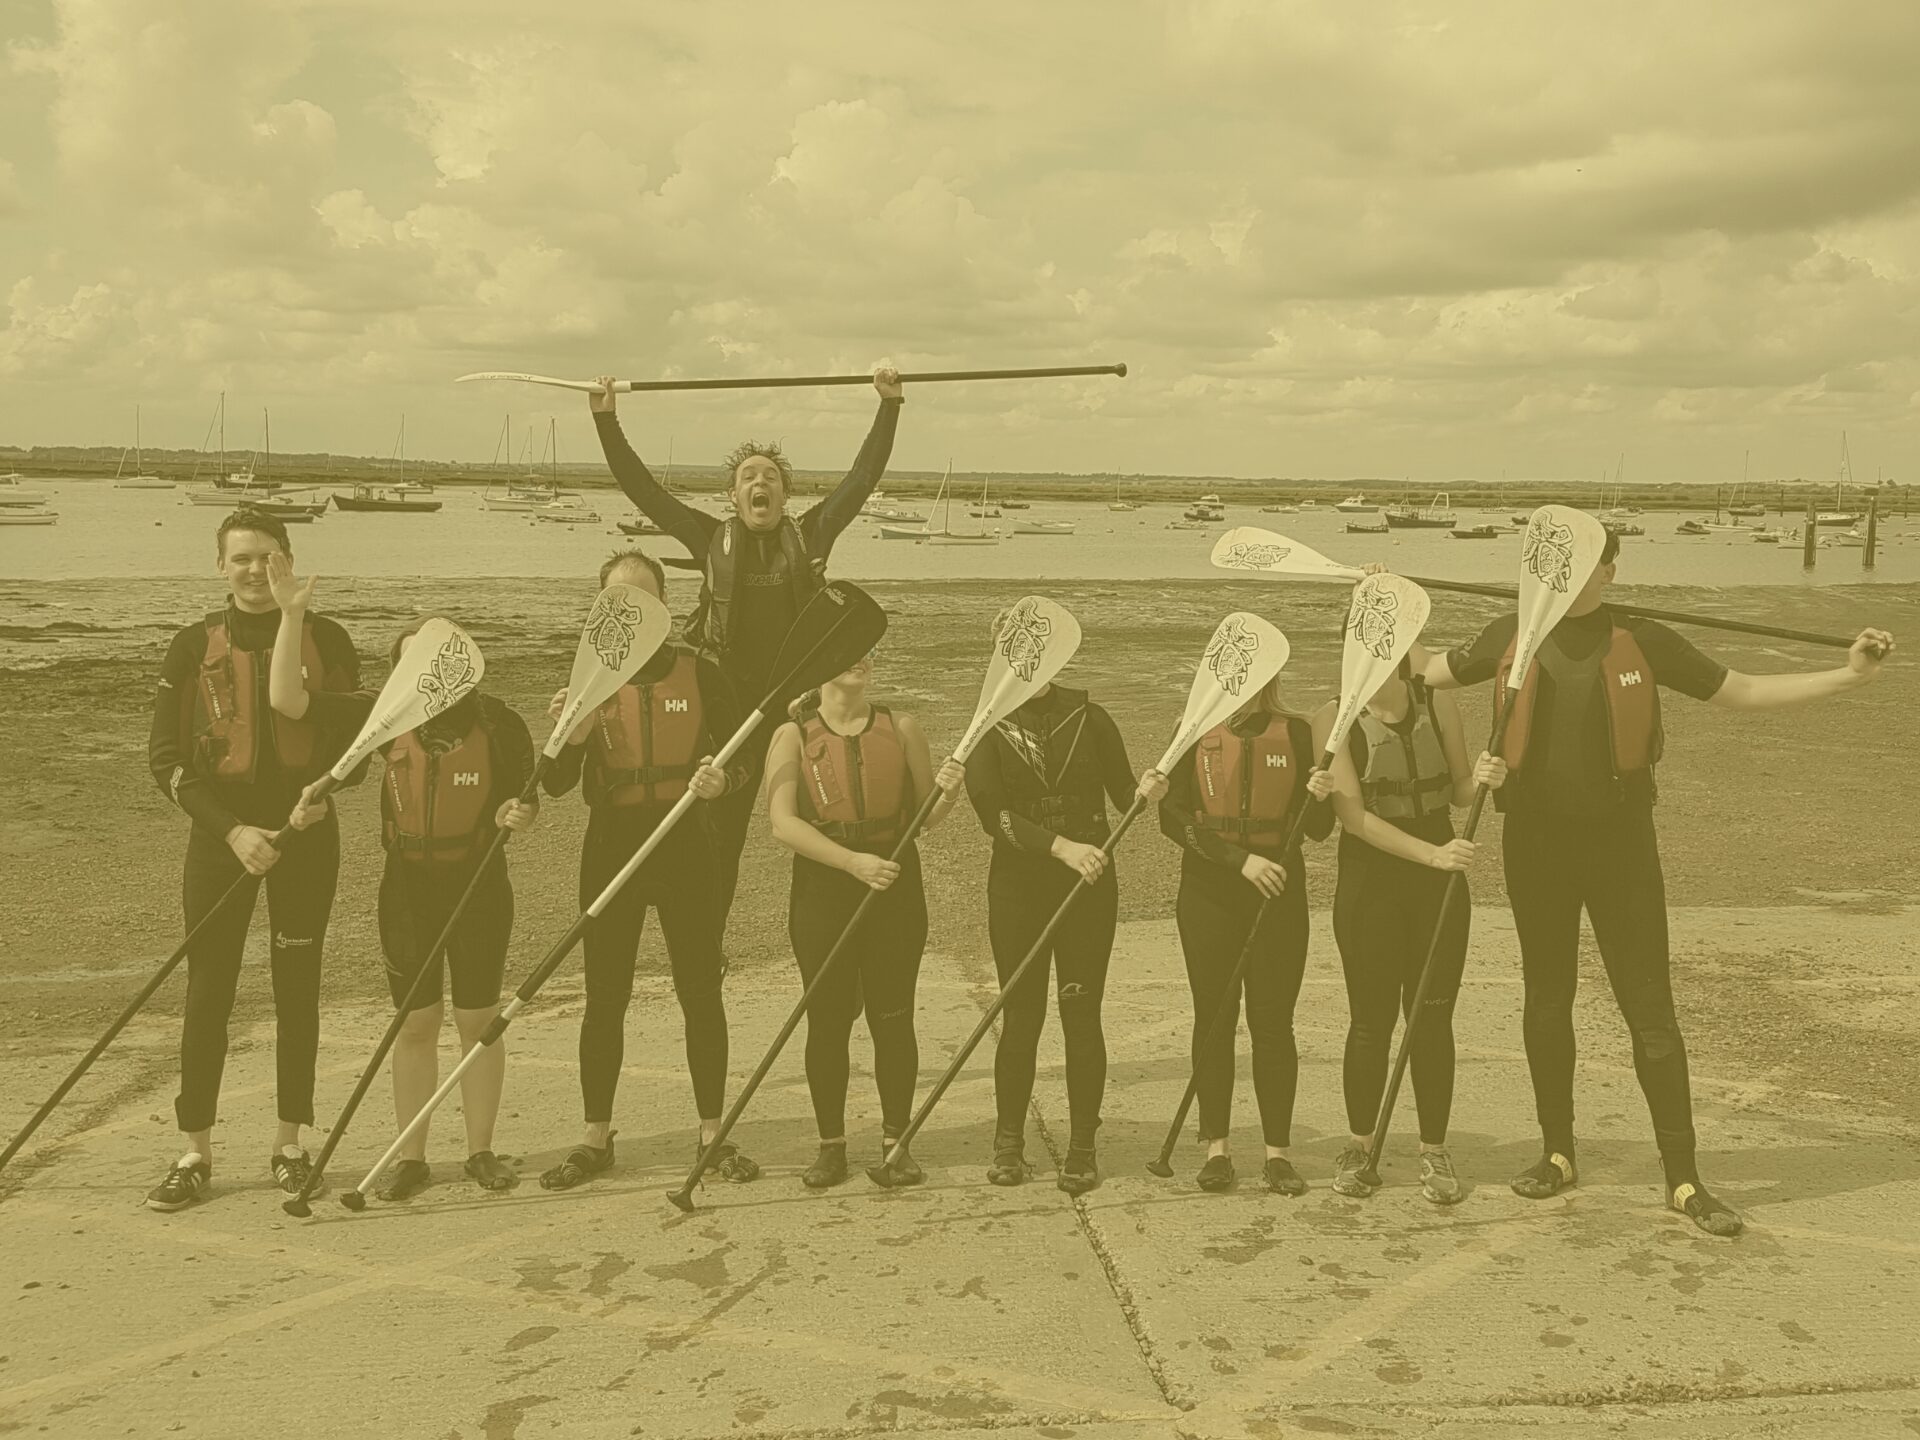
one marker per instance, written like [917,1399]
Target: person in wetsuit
[1040,783]
[217,751]
[1393,788]
[760,568]
[1231,803]
[633,758]
[844,779]
[1581,745]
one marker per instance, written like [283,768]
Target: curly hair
[766,450]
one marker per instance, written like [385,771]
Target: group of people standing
[257,699]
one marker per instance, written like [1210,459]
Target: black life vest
[855,789]
[1403,774]
[803,573]
[645,743]
[1632,701]
[222,716]
[1055,781]
[433,801]
[1249,784]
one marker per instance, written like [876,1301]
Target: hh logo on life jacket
[466,777]
[677,707]
[1276,762]
[1630,677]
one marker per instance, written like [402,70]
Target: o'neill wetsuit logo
[1252,555]
[449,675]
[1371,620]
[1023,639]
[610,627]
[1230,654]
[1547,553]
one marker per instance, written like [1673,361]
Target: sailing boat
[1117,503]
[1737,506]
[396,499]
[1839,515]
[984,511]
[567,509]
[139,480]
[947,535]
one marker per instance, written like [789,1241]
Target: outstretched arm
[690,527]
[824,522]
[1776,692]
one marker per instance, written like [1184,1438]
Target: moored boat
[372,499]
[1474,532]
[1361,527]
[1043,527]
[1436,516]
[1357,505]
[15,516]
[13,493]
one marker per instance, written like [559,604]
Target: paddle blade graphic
[1386,617]
[1251,548]
[437,670]
[624,628]
[1559,552]
[1035,641]
[1243,655]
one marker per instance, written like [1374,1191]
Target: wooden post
[1812,535]
[1873,521]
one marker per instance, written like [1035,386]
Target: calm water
[154,533]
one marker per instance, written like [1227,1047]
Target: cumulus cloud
[1411,238]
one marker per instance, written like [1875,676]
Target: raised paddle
[1385,618]
[623,629]
[1251,548]
[439,668]
[1243,655]
[838,626]
[1034,644]
[1561,549]
[781,382]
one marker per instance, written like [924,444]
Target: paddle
[772,382]
[838,626]
[1035,643]
[1386,617]
[1243,655]
[1251,548]
[439,668]
[1561,549]
[622,630]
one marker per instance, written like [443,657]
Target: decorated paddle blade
[1243,655]
[1386,617]
[1559,553]
[439,668]
[839,626]
[1251,548]
[1036,639]
[592,387]
[624,628]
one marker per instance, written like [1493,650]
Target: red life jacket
[855,789]
[1247,783]
[646,739]
[223,725]
[434,806]
[1633,703]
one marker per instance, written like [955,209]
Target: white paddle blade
[1035,641]
[623,630]
[1560,552]
[439,667]
[1251,548]
[1386,617]
[592,387]
[1244,654]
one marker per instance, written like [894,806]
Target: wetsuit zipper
[646,738]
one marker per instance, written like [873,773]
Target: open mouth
[760,500]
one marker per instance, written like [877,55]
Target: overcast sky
[1436,240]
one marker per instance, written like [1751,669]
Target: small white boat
[138,480]
[13,493]
[28,517]
[1187,525]
[566,515]
[892,516]
[1778,536]
[1213,500]
[1836,518]
[1279,509]
[1850,539]
[1043,527]
[1357,505]
[990,537]
[904,532]
[1118,502]
[1203,512]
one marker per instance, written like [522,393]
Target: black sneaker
[187,1183]
[1351,1173]
[292,1167]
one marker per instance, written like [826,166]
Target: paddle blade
[1251,548]
[1386,617]
[439,667]
[1244,654]
[1035,642]
[840,625]
[1561,550]
[623,630]
[590,386]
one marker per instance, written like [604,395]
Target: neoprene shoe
[829,1167]
[1217,1174]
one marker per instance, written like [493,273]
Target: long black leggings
[299,899]
[1023,891]
[731,817]
[1216,910]
[881,963]
[1611,867]
[677,881]
[1384,911]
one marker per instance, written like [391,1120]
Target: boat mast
[139,458]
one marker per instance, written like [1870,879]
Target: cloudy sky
[1436,240]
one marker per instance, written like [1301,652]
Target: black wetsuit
[1577,839]
[418,894]
[763,606]
[299,886]
[1048,770]
[1216,909]
[678,880]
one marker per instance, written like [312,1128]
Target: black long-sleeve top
[762,614]
[1048,770]
[215,804]
[1180,809]
[721,713]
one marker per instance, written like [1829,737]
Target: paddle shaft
[276,839]
[914,827]
[925,377]
[1229,1003]
[405,1008]
[1000,1000]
